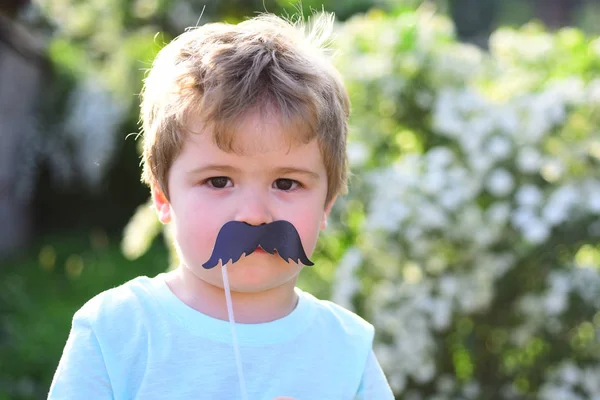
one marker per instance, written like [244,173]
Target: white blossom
[592,196]
[346,284]
[594,91]
[500,182]
[499,147]
[499,213]
[529,196]
[424,372]
[536,231]
[441,314]
[523,217]
[569,373]
[471,390]
[529,160]
[570,90]
[357,154]
[552,170]
[555,303]
[445,384]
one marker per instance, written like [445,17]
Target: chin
[244,285]
[256,277]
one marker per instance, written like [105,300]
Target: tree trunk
[556,13]
[473,19]
[20,82]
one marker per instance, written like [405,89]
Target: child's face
[270,180]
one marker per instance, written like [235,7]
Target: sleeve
[81,372]
[373,384]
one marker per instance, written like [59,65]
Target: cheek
[307,224]
[196,232]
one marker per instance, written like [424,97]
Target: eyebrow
[214,167]
[291,170]
[229,169]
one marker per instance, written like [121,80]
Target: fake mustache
[236,238]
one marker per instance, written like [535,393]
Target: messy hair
[220,72]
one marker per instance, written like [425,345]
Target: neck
[248,307]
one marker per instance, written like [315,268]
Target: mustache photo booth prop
[236,238]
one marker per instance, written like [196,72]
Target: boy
[242,123]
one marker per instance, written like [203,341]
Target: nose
[254,209]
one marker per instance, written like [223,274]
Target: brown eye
[219,182]
[285,184]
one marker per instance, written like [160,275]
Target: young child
[244,123]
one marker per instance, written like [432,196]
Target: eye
[218,182]
[286,184]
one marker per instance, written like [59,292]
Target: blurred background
[470,237]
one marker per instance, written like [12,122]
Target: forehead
[256,132]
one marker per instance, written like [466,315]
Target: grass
[39,293]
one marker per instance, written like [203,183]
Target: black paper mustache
[236,238]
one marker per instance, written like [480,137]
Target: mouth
[260,250]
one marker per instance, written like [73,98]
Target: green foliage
[40,293]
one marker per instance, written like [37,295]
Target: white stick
[238,358]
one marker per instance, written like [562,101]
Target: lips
[260,250]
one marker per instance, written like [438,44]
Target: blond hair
[221,72]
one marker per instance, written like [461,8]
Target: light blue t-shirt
[139,341]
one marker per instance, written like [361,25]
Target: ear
[161,204]
[328,207]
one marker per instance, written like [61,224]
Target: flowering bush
[475,206]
